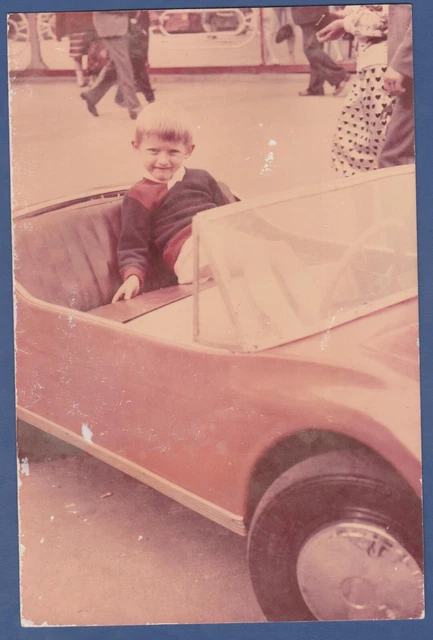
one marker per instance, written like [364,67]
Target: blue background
[10,628]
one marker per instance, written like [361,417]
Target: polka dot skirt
[362,124]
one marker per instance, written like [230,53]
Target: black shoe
[339,88]
[308,92]
[149,95]
[90,106]
[120,102]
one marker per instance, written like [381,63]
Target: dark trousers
[399,142]
[322,67]
[138,55]
[141,76]
[119,69]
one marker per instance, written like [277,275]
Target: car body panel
[168,408]
[129,382]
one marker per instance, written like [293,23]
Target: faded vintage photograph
[216,315]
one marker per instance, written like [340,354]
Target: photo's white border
[423,18]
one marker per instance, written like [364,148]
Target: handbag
[284,33]
[97,57]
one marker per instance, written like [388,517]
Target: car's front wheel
[338,537]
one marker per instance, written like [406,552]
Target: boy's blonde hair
[165,120]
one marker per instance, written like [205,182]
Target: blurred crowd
[375,128]
[376,125]
[115,44]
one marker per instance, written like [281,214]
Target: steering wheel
[351,258]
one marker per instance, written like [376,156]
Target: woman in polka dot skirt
[367,109]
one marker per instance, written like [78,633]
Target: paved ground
[253,132]
[134,556]
[131,557]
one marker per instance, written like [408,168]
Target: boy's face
[162,158]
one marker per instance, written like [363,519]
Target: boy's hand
[393,82]
[129,289]
[332,31]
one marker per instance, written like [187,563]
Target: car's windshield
[303,261]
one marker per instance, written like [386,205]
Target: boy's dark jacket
[153,214]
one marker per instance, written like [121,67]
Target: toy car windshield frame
[293,264]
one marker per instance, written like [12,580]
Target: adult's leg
[138,52]
[118,50]
[269,35]
[118,98]
[311,46]
[76,51]
[362,124]
[104,81]
[330,70]
[350,133]
[142,82]
[79,74]
[138,46]
[323,66]
[142,78]
[399,142]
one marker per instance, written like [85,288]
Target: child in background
[78,26]
[367,108]
[160,208]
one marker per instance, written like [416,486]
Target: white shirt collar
[177,177]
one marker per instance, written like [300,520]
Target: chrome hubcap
[354,571]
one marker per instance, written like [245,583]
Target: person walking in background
[399,142]
[113,28]
[139,28]
[367,109]
[285,29]
[269,31]
[97,59]
[78,26]
[139,24]
[322,67]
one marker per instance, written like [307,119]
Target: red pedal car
[279,397]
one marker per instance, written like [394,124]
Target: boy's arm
[218,197]
[133,249]
[129,289]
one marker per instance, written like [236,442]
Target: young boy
[160,208]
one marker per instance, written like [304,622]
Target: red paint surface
[201,418]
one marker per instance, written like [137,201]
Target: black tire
[340,486]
